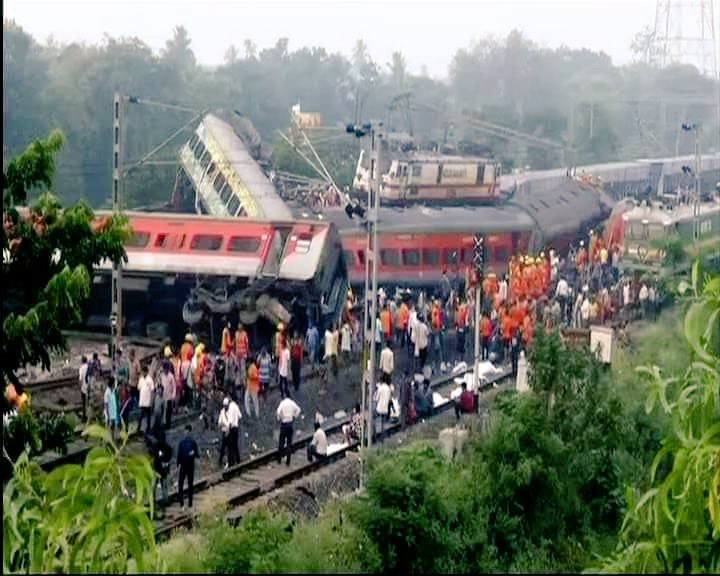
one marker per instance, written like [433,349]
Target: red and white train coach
[418,244]
[171,255]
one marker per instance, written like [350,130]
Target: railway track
[250,479]
[72,380]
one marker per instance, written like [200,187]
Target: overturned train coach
[418,242]
[263,272]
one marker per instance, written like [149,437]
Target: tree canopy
[599,111]
[49,254]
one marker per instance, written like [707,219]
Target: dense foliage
[90,518]
[541,491]
[48,258]
[38,433]
[674,525]
[602,112]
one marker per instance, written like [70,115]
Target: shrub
[252,546]
[330,544]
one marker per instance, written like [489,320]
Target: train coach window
[233,205]
[212,171]
[225,193]
[349,257]
[361,257]
[139,239]
[206,242]
[248,244]
[431,257]
[205,159]
[219,182]
[411,257]
[193,141]
[302,245]
[450,256]
[466,255]
[389,258]
[417,170]
[501,255]
[200,150]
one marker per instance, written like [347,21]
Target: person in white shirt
[577,316]
[585,312]
[562,291]
[382,398]
[83,380]
[145,388]
[317,449]
[503,289]
[284,369]
[421,342]
[345,342]
[167,380]
[234,416]
[331,350]
[412,322]
[286,413]
[224,426]
[387,363]
[643,298]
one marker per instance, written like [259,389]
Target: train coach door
[273,258]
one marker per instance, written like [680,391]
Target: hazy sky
[427,33]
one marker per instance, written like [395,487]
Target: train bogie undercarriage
[170,306]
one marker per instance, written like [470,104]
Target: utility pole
[372,253]
[698,169]
[116,283]
[696,129]
[119,170]
[479,263]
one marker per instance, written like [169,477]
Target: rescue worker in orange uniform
[403,317]
[527,331]
[186,350]
[461,319]
[242,351]
[486,333]
[581,258]
[226,344]
[386,323]
[507,325]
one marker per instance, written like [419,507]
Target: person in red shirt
[465,404]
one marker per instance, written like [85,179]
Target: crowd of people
[416,333]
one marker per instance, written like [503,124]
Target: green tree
[674,526]
[48,259]
[90,518]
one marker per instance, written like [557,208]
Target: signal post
[479,264]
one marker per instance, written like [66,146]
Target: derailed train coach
[419,243]
[187,269]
